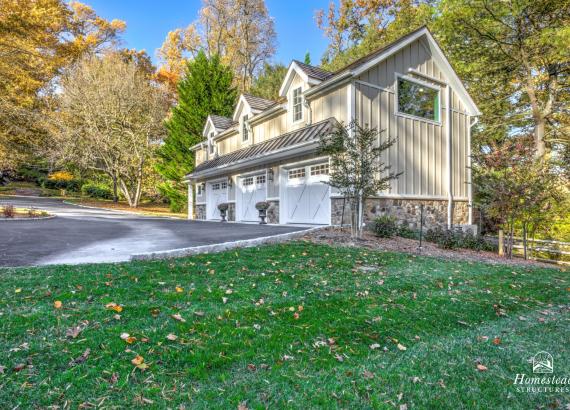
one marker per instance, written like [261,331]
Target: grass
[150,209]
[283,326]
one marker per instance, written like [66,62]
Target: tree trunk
[115,189]
[539,131]
[524,241]
[126,192]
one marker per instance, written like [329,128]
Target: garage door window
[260,179]
[247,181]
[215,187]
[296,173]
[224,185]
[322,169]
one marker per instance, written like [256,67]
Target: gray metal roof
[287,140]
[314,72]
[221,123]
[258,103]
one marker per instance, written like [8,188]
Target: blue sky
[148,22]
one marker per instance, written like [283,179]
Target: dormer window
[297,104]
[212,145]
[244,131]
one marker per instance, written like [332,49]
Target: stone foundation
[273,212]
[201,212]
[406,211]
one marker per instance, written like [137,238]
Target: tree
[110,120]
[268,81]
[357,27]
[356,169]
[515,57]
[241,32]
[307,59]
[206,88]
[38,40]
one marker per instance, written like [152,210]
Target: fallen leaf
[2,369]
[171,337]
[339,357]
[368,374]
[496,341]
[224,300]
[19,367]
[57,304]
[199,313]
[73,332]
[179,289]
[296,316]
[481,368]
[138,361]
[300,308]
[403,407]
[401,347]
[286,358]
[114,306]
[178,317]
[81,359]
[242,406]
[375,346]
[18,290]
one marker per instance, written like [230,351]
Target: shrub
[385,226]
[406,232]
[61,180]
[262,205]
[452,239]
[223,206]
[96,191]
[9,211]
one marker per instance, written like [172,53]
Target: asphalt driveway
[81,235]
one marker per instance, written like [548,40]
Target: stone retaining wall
[201,212]
[273,212]
[406,211]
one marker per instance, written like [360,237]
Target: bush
[61,180]
[9,211]
[452,239]
[385,226]
[96,191]
[223,206]
[262,205]
[406,232]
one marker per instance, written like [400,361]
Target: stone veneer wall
[273,212]
[201,212]
[231,215]
[405,211]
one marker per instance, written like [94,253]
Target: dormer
[248,105]
[215,124]
[299,78]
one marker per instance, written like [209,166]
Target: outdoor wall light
[230,182]
[270,174]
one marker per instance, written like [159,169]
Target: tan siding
[331,104]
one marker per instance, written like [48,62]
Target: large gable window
[297,105]
[244,131]
[418,99]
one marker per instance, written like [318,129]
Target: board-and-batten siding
[420,151]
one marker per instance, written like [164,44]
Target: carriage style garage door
[307,197]
[217,193]
[252,189]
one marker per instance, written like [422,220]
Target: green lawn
[282,326]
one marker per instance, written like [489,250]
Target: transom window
[215,187]
[296,173]
[297,104]
[260,179]
[247,181]
[244,131]
[322,169]
[418,99]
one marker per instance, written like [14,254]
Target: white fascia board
[209,123]
[241,102]
[263,114]
[197,146]
[294,69]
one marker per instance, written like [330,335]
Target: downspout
[449,157]
[309,111]
[469,178]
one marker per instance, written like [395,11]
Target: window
[297,105]
[215,187]
[322,169]
[212,145]
[247,181]
[296,173]
[244,131]
[418,99]
[224,185]
[260,179]
[199,189]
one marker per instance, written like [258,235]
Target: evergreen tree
[307,58]
[268,82]
[206,88]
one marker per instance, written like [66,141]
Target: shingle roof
[314,72]
[258,103]
[287,140]
[221,123]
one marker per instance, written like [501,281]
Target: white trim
[427,77]
[325,86]
[304,162]
[367,84]
[292,105]
[469,175]
[449,158]
[399,113]
[295,69]
[274,198]
[201,203]
[410,197]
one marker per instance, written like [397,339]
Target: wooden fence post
[501,242]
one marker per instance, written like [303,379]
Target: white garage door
[307,196]
[252,189]
[217,193]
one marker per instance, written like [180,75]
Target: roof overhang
[295,69]
[209,125]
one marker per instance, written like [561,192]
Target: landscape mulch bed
[341,237]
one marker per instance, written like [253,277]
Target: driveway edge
[122,211]
[224,246]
